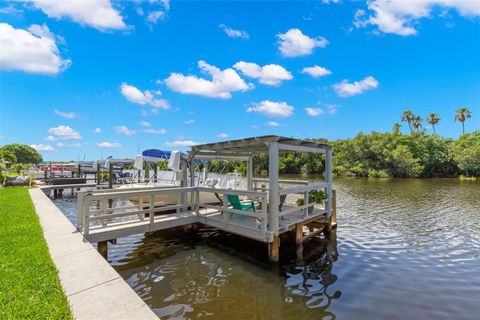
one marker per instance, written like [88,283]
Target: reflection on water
[406,249]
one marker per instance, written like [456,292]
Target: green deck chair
[238,205]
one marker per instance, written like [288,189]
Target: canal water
[404,249]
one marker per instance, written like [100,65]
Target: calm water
[404,249]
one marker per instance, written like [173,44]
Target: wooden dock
[109,214]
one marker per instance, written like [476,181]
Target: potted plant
[314,196]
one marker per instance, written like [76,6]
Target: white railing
[99,207]
[302,190]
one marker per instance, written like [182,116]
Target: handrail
[301,189]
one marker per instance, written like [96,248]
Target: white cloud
[222,136]
[63,132]
[97,130]
[68,145]
[109,145]
[232,33]
[182,143]
[155,16]
[347,89]
[144,124]
[33,51]
[67,115]
[270,74]
[294,43]
[50,138]
[317,71]
[400,17]
[223,82]
[272,109]
[146,97]
[42,147]
[314,112]
[191,121]
[99,14]
[332,109]
[330,1]
[273,124]
[155,131]
[124,131]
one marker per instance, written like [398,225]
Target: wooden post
[192,172]
[328,180]
[102,247]
[110,175]
[79,170]
[274,249]
[333,219]
[298,233]
[98,173]
[249,173]
[45,173]
[273,195]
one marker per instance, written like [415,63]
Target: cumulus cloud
[316,71]
[294,43]
[146,97]
[272,109]
[190,121]
[33,50]
[270,74]
[66,115]
[42,147]
[155,131]
[182,143]
[273,124]
[223,82]
[155,16]
[68,145]
[314,112]
[347,89]
[222,135]
[109,145]
[124,131]
[98,14]
[63,132]
[399,17]
[233,33]
[97,130]
[145,124]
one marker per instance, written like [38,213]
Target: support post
[333,218]
[110,175]
[328,180]
[155,172]
[192,173]
[298,233]
[102,247]
[146,168]
[274,249]
[79,170]
[273,195]
[249,173]
[98,174]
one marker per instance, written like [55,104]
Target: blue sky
[100,78]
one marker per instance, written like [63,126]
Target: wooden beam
[102,248]
[289,147]
[274,249]
[298,233]
[273,195]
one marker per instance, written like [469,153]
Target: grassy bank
[29,286]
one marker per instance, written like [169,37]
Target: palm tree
[396,128]
[417,123]
[408,116]
[433,119]
[462,115]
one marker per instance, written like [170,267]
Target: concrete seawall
[93,288]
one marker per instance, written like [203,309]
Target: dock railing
[303,190]
[98,209]
[231,216]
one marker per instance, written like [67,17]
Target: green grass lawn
[29,286]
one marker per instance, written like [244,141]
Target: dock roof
[260,144]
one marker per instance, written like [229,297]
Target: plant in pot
[314,196]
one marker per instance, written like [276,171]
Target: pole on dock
[110,176]
[79,170]
[155,172]
[102,248]
[98,174]
[274,199]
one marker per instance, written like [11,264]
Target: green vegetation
[29,286]
[383,155]
[22,153]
